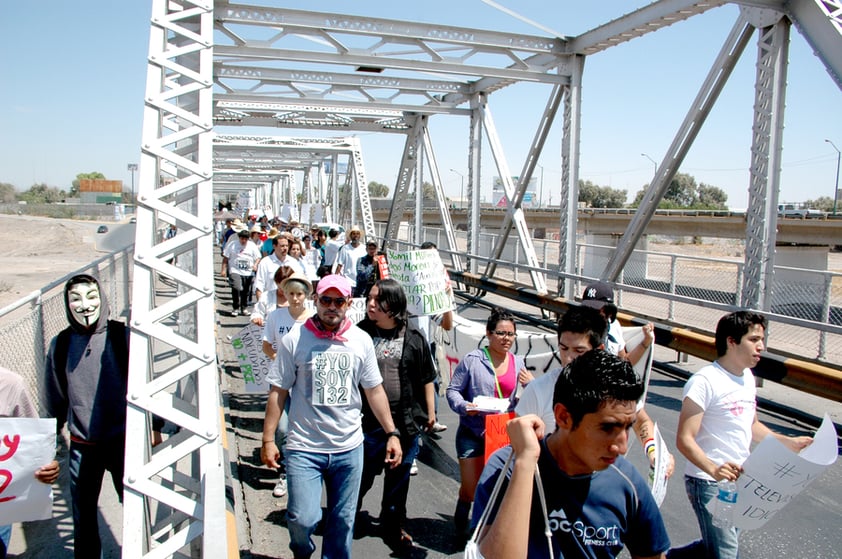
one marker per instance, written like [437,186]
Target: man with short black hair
[597,503]
[323,365]
[366,270]
[717,423]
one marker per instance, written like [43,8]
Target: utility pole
[836,189]
[132,168]
[461,188]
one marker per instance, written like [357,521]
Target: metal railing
[28,325]
[805,315]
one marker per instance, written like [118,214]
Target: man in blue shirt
[597,503]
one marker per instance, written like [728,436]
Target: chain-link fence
[687,291]
[28,325]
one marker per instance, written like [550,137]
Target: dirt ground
[40,250]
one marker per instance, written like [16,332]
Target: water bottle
[726,502]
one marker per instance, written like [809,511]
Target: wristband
[394,433]
[649,447]
[266,442]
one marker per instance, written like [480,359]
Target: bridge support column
[595,258]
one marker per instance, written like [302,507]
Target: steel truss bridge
[226,64]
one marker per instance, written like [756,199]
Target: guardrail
[29,324]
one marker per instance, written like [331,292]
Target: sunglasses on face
[328,301]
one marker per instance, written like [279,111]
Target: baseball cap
[334,281]
[597,295]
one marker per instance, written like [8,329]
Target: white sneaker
[413,470]
[281,487]
[438,427]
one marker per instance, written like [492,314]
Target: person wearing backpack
[86,382]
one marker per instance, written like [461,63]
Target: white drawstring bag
[472,547]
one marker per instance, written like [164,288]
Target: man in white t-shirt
[324,365]
[266,270]
[239,261]
[349,255]
[718,422]
[332,246]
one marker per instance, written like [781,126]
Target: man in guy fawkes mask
[86,383]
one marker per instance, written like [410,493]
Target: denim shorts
[468,445]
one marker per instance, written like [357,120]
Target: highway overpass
[695,223]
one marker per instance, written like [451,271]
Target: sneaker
[281,487]
[413,470]
[438,427]
[235,312]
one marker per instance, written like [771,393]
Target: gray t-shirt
[324,378]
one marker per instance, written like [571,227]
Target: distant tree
[74,186]
[43,194]
[823,203]
[711,197]
[684,193]
[429,191]
[596,196]
[377,189]
[8,193]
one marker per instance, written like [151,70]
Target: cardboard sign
[25,445]
[496,435]
[248,347]
[424,279]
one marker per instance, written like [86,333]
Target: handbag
[472,547]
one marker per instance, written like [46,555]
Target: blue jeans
[341,473]
[716,543]
[87,464]
[395,481]
[5,536]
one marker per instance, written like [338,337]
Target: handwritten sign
[773,475]
[248,347]
[356,311]
[25,445]
[659,475]
[424,279]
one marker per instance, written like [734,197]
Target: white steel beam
[724,64]
[175,186]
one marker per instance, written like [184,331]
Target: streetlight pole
[653,162]
[835,190]
[132,168]
[461,188]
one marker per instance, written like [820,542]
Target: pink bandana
[318,330]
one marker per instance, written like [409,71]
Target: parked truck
[799,212]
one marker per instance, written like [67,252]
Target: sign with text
[424,279]
[658,477]
[248,347]
[25,445]
[773,475]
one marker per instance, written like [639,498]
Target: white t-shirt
[324,378]
[347,258]
[241,258]
[614,341]
[537,398]
[730,406]
[278,323]
[332,247]
[265,280]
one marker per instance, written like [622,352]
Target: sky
[75,73]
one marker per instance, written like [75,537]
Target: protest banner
[254,365]
[424,280]
[26,444]
[773,475]
[356,311]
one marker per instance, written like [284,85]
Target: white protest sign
[25,445]
[424,280]
[659,476]
[773,475]
[356,311]
[248,347]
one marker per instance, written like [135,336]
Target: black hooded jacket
[87,374]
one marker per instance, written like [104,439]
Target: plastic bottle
[726,502]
